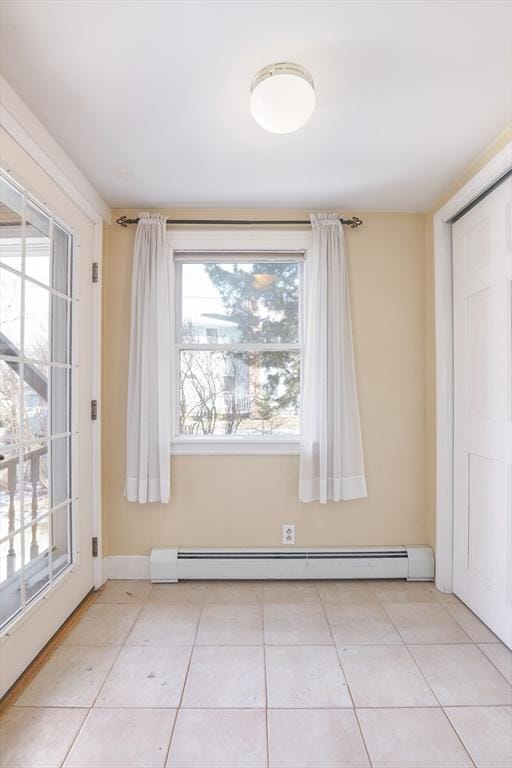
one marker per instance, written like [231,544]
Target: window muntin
[35,399]
[238,345]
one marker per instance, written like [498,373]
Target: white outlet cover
[288,533]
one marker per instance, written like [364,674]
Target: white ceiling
[151,98]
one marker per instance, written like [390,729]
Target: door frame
[495,169]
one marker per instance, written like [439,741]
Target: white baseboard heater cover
[401,562]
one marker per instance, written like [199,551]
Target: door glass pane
[60,401]
[59,470]
[10,581]
[60,353]
[60,261]
[37,245]
[246,302]
[10,313]
[36,321]
[35,403]
[61,536]
[35,495]
[10,507]
[9,404]
[37,557]
[11,205]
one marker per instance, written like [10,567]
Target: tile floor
[278,675]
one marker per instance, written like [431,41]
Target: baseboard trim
[126,567]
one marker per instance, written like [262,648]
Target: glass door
[36,401]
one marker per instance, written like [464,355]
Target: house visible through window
[238,345]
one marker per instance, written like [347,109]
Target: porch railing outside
[33,499]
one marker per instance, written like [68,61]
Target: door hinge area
[95,272]
[95,546]
[94,410]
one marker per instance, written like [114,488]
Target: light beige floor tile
[225,677]
[425,623]
[123,738]
[125,591]
[401,591]
[234,593]
[165,625]
[486,732]
[500,656]
[103,625]
[315,738]
[146,676]
[231,625]
[384,676]
[38,737]
[446,597]
[411,738]
[346,592]
[72,677]
[361,624]
[305,676]
[183,592]
[460,675]
[219,738]
[296,625]
[290,592]
[470,623]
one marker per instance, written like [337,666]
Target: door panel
[482,280]
[46,473]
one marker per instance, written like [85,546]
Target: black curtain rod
[124,221]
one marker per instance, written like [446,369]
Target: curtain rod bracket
[124,221]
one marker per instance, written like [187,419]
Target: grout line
[266,682]
[492,662]
[349,691]
[180,703]
[466,750]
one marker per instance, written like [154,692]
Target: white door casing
[482,297]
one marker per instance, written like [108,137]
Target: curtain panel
[331,453]
[148,419]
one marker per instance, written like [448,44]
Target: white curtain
[149,375]
[331,455]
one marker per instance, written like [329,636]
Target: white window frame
[292,243]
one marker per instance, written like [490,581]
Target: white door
[482,293]
[45,430]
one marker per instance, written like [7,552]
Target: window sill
[239,446]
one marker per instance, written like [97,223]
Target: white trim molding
[492,172]
[236,445]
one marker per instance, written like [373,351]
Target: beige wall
[243,500]
[479,163]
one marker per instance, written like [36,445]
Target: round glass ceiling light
[282,97]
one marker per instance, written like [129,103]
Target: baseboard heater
[401,562]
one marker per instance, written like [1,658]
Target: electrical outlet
[289,533]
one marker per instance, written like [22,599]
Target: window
[35,400]
[238,345]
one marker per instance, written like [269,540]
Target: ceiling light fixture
[282,97]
